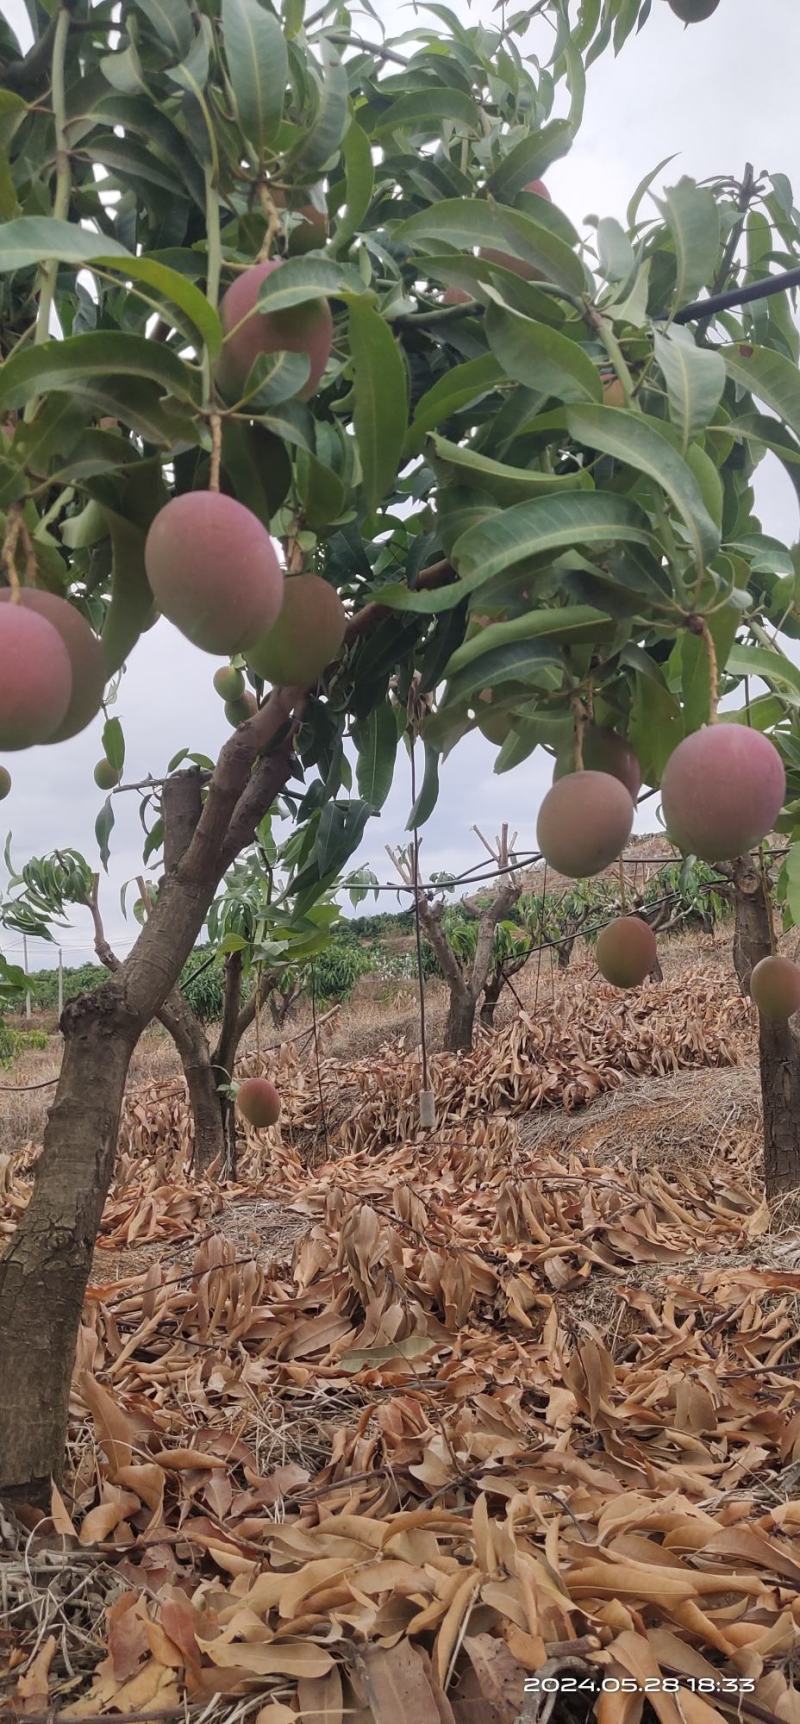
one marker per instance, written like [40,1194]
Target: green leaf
[768,376]
[258,62]
[425,110]
[321,140]
[504,484]
[692,659]
[322,492]
[773,667]
[467,222]
[655,727]
[693,217]
[380,411]
[638,441]
[274,378]
[114,743]
[33,239]
[132,607]
[63,364]
[570,625]
[12,113]
[525,662]
[359,180]
[458,388]
[103,828]
[644,187]
[172,22]
[428,793]
[541,358]
[519,534]
[376,740]
[695,379]
[615,252]
[257,466]
[300,279]
[529,159]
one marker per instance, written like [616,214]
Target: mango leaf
[380,389]
[172,22]
[424,110]
[615,252]
[639,442]
[504,484]
[773,667]
[320,141]
[695,379]
[568,624]
[103,828]
[541,358]
[467,222]
[428,793]
[517,535]
[258,62]
[63,364]
[32,239]
[359,179]
[693,217]
[529,159]
[376,739]
[523,662]
[302,278]
[114,743]
[771,378]
[458,388]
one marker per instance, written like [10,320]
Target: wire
[763,289]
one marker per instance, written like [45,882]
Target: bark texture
[778,1043]
[466,980]
[44,1271]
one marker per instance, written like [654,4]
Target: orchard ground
[372,1321]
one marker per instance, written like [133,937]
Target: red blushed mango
[605,751]
[85,654]
[35,678]
[584,822]
[306,328]
[775,988]
[213,570]
[258,1102]
[306,636]
[722,791]
[626,952]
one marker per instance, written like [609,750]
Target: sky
[721,93]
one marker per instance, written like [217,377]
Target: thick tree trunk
[44,1272]
[491,995]
[778,1043]
[460,1026]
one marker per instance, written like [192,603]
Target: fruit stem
[580,715]
[272,218]
[215,423]
[713,670]
[214,268]
[16,533]
[48,271]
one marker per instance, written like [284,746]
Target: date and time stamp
[600,1684]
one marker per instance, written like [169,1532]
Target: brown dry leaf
[320,1698]
[115,1430]
[279,1658]
[33,1686]
[397,1685]
[60,1515]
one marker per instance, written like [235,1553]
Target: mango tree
[450,407]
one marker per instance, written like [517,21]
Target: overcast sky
[720,93]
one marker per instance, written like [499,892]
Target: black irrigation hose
[702,308]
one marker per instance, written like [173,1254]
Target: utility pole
[25,961]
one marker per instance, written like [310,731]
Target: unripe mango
[584,822]
[722,791]
[626,952]
[213,570]
[775,988]
[258,1102]
[306,328]
[5,783]
[306,636]
[85,654]
[106,775]
[238,711]
[229,683]
[35,678]
[693,11]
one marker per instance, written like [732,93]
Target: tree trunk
[491,994]
[778,1043]
[460,1026]
[44,1271]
